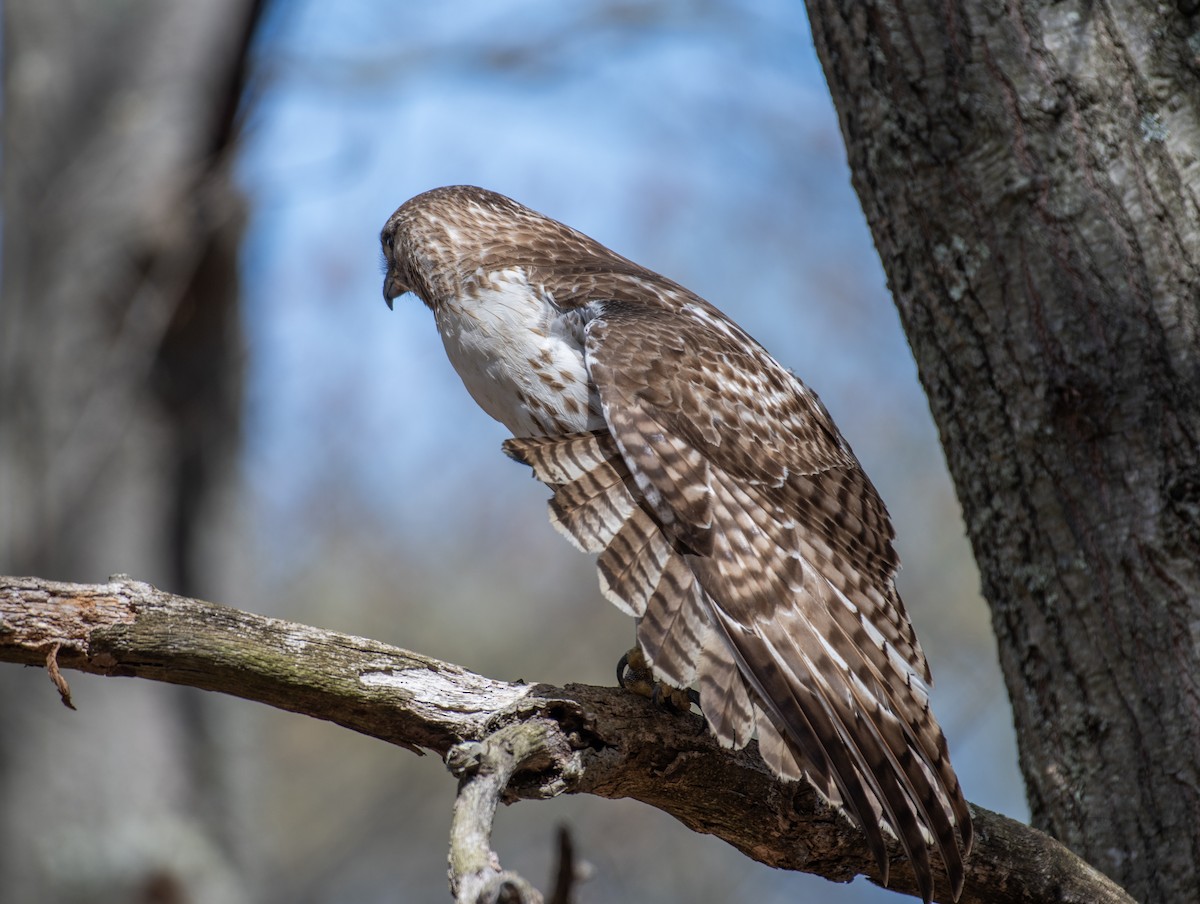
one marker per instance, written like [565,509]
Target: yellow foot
[634,674]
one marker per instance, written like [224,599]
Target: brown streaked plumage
[731,518]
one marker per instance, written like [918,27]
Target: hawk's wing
[734,521]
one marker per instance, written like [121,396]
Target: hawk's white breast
[520,356]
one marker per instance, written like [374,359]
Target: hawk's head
[439,243]
[436,241]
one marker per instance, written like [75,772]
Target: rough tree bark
[535,741]
[120,384]
[1030,173]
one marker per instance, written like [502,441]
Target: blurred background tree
[268,435]
[121,378]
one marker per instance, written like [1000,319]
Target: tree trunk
[120,383]
[1029,171]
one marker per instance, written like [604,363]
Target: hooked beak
[392,287]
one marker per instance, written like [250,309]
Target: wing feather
[673,625]
[632,565]
[791,551]
[591,501]
[560,459]
[725,698]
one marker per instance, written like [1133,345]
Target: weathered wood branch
[485,769]
[600,741]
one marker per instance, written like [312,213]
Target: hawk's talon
[635,674]
[622,664]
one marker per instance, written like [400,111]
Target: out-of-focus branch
[591,740]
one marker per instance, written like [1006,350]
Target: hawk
[731,518]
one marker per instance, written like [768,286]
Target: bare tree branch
[591,740]
[484,769]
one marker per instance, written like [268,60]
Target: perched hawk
[732,519]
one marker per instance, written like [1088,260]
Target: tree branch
[591,740]
[485,770]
